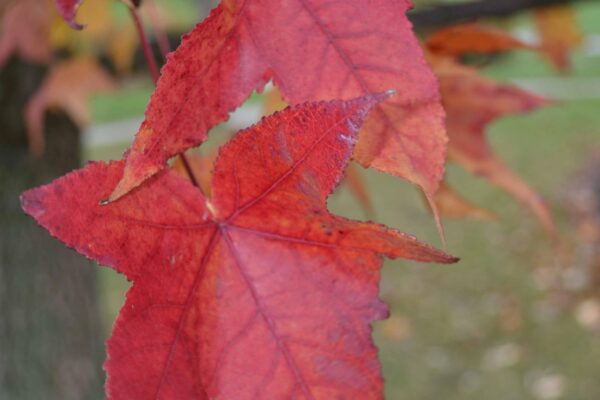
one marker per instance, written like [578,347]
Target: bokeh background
[517,318]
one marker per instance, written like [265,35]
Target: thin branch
[449,14]
[151,61]
[147,49]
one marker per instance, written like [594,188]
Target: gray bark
[50,332]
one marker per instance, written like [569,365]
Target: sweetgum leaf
[260,293]
[313,51]
[472,38]
[472,101]
[68,10]
[68,86]
[273,102]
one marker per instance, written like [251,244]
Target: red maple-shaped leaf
[259,293]
[68,10]
[313,51]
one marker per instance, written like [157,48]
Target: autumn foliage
[311,52]
[244,285]
[255,292]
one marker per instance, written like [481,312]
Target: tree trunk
[50,332]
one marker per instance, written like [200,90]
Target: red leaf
[312,51]
[68,9]
[68,86]
[472,101]
[25,30]
[259,294]
[354,181]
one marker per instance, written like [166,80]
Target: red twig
[149,55]
[145,44]
[159,29]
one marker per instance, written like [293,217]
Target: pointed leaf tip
[231,294]
[201,84]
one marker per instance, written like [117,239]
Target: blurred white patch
[587,313]
[502,356]
[527,35]
[591,46]
[348,139]
[548,387]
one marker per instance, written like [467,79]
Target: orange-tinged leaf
[312,51]
[356,184]
[472,101]
[559,33]
[201,167]
[259,293]
[24,31]
[452,205]
[121,46]
[472,38]
[67,87]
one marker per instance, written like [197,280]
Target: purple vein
[296,240]
[158,225]
[353,68]
[287,173]
[299,378]
[188,302]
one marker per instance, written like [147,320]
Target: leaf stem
[159,28]
[148,54]
[190,172]
[151,61]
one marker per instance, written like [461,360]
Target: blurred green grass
[484,328]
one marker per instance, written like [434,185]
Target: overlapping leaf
[353,179]
[472,101]
[312,51]
[257,293]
